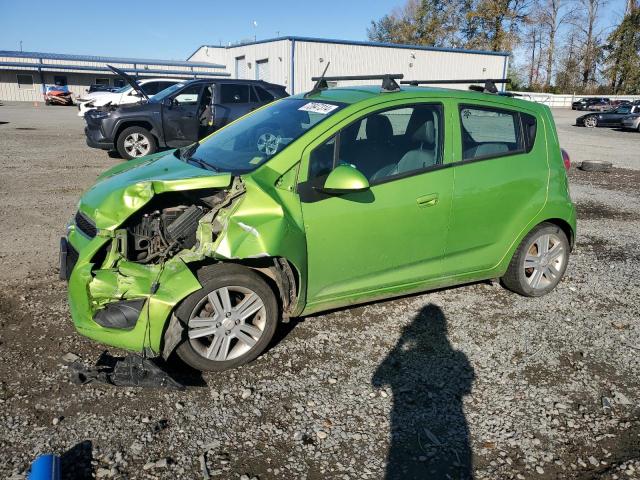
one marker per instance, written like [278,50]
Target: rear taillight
[566,159]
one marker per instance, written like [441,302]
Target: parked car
[99,87]
[317,201]
[631,122]
[125,95]
[609,118]
[57,95]
[591,103]
[619,103]
[177,116]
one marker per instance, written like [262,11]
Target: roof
[356,42]
[360,93]
[99,59]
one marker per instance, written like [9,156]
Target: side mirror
[345,179]
[167,102]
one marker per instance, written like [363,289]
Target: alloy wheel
[544,261]
[137,145]
[227,323]
[590,122]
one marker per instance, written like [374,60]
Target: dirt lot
[522,388]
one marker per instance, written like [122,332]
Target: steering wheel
[268,143]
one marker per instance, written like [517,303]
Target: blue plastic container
[45,467]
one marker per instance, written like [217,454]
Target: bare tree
[587,23]
[554,13]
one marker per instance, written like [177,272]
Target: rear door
[180,120]
[233,100]
[500,177]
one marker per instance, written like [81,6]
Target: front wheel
[136,142]
[230,320]
[591,122]
[539,262]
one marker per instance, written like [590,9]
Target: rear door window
[488,132]
[234,93]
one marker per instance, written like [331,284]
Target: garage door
[262,70]
[241,67]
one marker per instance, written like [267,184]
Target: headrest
[379,128]
[350,134]
[425,133]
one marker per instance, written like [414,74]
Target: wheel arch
[564,226]
[136,123]
[279,273]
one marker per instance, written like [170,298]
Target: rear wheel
[136,142]
[539,262]
[230,320]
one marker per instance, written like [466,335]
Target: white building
[292,61]
[23,75]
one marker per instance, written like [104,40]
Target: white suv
[124,95]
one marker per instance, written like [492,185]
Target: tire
[136,142]
[544,273]
[596,166]
[591,121]
[232,332]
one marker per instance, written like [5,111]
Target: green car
[317,201]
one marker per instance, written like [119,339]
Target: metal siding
[277,53]
[414,64]
[352,59]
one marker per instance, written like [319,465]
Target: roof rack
[389,83]
[489,83]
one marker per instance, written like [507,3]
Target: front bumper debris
[130,371]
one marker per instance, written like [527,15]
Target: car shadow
[428,378]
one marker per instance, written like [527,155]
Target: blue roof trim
[91,58]
[86,68]
[358,42]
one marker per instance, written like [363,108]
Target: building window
[25,81]
[102,81]
[118,82]
[60,80]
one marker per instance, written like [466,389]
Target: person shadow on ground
[428,379]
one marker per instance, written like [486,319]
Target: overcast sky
[173,30]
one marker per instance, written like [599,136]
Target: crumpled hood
[125,188]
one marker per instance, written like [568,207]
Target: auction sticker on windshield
[316,107]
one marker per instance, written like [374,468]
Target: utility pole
[21,45]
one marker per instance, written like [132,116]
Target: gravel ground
[467,381]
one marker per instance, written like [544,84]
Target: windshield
[124,89]
[247,144]
[162,94]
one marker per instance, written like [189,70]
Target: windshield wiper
[186,152]
[201,163]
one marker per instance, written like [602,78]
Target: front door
[390,238]
[180,120]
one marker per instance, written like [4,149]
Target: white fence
[564,101]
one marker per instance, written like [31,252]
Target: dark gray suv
[177,116]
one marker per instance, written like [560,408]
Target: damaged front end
[133,248]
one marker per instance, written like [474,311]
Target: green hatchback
[318,201]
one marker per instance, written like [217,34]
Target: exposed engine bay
[162,231]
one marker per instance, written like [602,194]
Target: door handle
[427,200]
